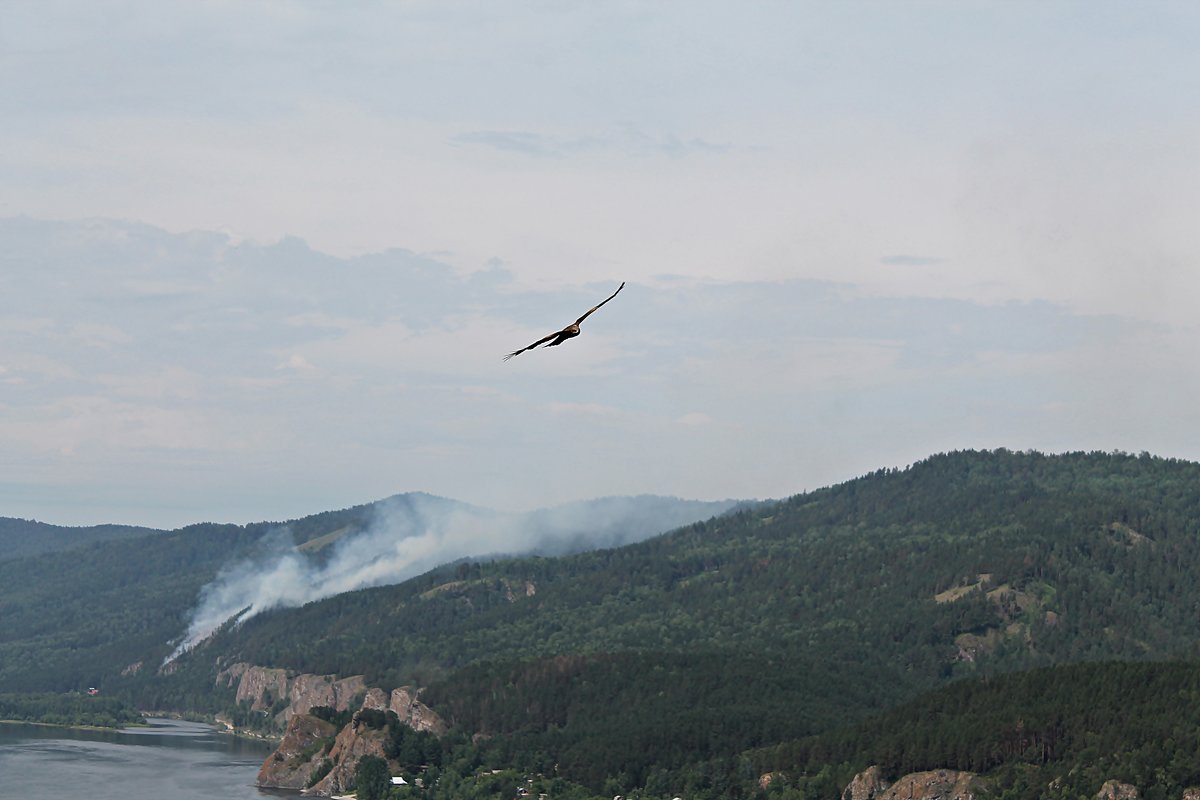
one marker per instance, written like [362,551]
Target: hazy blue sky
[259,260]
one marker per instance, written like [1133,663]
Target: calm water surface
[170,759]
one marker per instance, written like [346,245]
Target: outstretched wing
[593,308]
[535,344]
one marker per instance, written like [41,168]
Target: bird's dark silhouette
[571,331]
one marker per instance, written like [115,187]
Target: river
[170,760]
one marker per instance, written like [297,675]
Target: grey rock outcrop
[353,742]
[866,785]
[298,756]
[309,742]
[264,687]
[1115,790]
[940,784]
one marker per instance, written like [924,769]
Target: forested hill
[81,612]
[25,537]
[969,560]
[753,629]
[827,606]
[1050,732]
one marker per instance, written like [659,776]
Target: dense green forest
[632,713]
[85,612]
[1072,727]
[1053,732]
[1035,559]
[825,607]
[67,709]
[757,641]
[109,612]
[81,618]
[26,537]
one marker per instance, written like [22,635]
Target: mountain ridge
[27,537]
[872,588]
[674,660]
[116,605]
[971,506]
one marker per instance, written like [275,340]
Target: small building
[398,780]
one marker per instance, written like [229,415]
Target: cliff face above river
[316,754]
[267,688]
[299,755]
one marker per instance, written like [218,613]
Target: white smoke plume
[412,534]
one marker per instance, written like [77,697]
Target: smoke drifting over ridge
[411,534]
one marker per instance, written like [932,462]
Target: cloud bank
[161,379]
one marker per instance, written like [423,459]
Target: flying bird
[568,332]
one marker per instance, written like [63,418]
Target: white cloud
[833,251]
[295,362]
[1022,171]
[72,425]
[404,386]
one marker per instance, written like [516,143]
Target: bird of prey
[568,332]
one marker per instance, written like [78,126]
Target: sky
[260,260]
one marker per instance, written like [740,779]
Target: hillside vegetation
[105,606]
[1051,732]
[80,618]
[25,537]
[780,621]
[963,562]
[962,612]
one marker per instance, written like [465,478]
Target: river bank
[165,758]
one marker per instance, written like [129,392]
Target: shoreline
[217,727]
[216,723]
[73,727]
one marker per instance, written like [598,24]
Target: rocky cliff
[353,742]
[941,784]
[1115,790]
[266,688]
[313,750]
[299,755]
[316,752]
[414,713]
[866,785]
[946,784]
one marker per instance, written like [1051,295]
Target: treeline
[631,713]
[84,617]
[623,666]
[22,537]
[107,612]
[1054,559]
[610,724]
[1095,552]
[1051,732]
[1057,732]
[67,709]
[1048,733]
